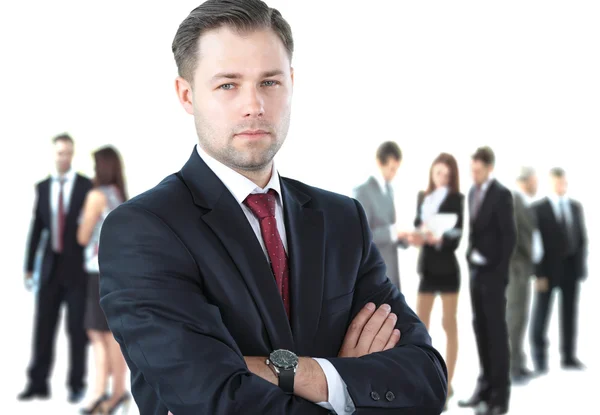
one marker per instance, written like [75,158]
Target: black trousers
[569,289]
[59,288]
[488,301]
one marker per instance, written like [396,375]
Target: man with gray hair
[526,254]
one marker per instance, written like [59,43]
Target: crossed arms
[175,338]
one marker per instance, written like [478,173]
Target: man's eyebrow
[235,75]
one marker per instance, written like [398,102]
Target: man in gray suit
[377,198]
[526,254]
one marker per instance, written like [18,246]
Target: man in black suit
[59,200]
[492,240]
[377,198]
[563,267]
[230,289]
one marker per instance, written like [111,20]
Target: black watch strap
[286,380]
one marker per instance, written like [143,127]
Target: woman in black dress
[438,267]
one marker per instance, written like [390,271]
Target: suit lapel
[229,223]
[306,246]
[552,214]
[486,202]
[75,194]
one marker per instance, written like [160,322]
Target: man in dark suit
[59,200]
[492,239]
[377,198]
[563,267]
[526,254]
[230,289]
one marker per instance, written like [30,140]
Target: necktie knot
[262,204]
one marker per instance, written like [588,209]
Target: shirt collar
[381,181]
[486,184]
[556,199]
[68,176]
[526,198]
[238,185]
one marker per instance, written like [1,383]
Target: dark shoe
[96,407]
[573,364]
[526,372]
[31,393]
[540,369]
[76,395]
[521,377]
[494,410]
[472,402]
[123,402]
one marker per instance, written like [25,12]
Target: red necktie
[263,207]
[477,199]
[61,216]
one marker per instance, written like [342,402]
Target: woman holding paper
[438,232]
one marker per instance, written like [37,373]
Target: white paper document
[441,223]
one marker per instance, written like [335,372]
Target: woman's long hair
[109,169]
[450,162]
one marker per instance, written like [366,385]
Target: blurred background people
[492,239]
[377,198]
[563,267]
[59,200]
[108,193]
[527,253]
[438,267]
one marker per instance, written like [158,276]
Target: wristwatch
[284,364]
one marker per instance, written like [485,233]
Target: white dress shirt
[384,189]
[431,206]
[561,204]
[476,256]
[69,178]
[240,187]
[432,202]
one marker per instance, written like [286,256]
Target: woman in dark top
[438,267]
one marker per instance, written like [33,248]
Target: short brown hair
[63,137]
[241,15]
[450,162]
[387,150]
[557,172]
[485,155]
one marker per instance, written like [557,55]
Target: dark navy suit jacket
[188,292]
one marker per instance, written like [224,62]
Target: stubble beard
[254,157]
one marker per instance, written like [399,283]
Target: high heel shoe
[96,407]
[124,402]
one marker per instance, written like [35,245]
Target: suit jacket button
[375,396]
[390,396]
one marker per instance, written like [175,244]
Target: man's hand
[28,280]
[432,240]
[258,366]
[402,235]
[310,382]
[415,238]
[371,331]
[542,284]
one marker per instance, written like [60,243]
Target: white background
[520,76]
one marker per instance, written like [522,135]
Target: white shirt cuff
[538,247]
[339,399]
[393,233]
[477,258]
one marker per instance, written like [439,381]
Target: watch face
[284,359]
